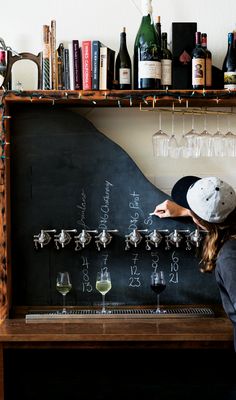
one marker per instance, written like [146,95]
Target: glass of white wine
[63,286]
[103,285]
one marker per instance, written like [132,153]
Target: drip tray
[72,315]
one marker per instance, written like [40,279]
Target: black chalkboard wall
[65,174]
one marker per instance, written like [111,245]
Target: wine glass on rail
[103,285]
[63,286]
[158,284]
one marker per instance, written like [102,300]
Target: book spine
[86,65]
[103,68]
[67,69]
[60,58]
[54,55]
[77,65]
[46,59]
[71,66]
[96,44]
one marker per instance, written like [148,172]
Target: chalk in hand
[152,213]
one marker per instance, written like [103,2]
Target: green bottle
[147,53]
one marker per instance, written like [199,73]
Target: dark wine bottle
[198,63]
[147,54]
[229,64]
[3,66]
[208,61]
[123,64]
[166,63]
[158,31]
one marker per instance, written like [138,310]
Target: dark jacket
[225,273]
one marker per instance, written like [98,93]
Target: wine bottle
[208,61]
[147,54]
[198,63]
[158,31]
[123,64]
[3,66]
[166,63]
[229,64]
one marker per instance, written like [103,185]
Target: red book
[86,65]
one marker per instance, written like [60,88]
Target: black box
[183,43]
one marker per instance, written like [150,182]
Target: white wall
[21,28]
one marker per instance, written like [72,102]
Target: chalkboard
[65,174]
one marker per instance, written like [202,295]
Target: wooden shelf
[125,98]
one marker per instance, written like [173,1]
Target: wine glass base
[159,311]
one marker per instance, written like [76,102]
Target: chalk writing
[134,279]
[86,285]
[174,269]
[105,207]
[134,205]
[82,209]
[148,220]
[155,261]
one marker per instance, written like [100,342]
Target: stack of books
[90,66]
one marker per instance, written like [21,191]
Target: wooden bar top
[159,332]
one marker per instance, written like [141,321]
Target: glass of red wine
[158,284]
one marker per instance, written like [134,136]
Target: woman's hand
[171,209]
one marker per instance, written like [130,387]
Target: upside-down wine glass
[160,141]
[63,286]
[103,285]
[158,284]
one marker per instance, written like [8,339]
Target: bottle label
[124,76]
[230,80]
[166,68]
[149,70]
[198,71]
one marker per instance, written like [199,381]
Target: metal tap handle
[43,238]
[83,239]
[63,238]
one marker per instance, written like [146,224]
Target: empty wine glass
[160,141]
[218,140]
[103,285]
[205,140]
[63,286]
[192,141]
[158,284]
[230,141]
[173,147]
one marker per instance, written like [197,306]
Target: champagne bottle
[3,66]
[229,64]
[123,64]
[166,63]
[198,63]
[147,54]
[208,61]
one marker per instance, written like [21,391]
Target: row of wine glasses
[194,144]
[104,285]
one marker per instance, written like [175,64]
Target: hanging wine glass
[183,143]
[160,141]
[173,147]
[205,141]
[230,141]
[192,141]
[218,140]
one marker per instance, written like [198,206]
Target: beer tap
[43,238]
[63,238]
[83,239]
[104,238]
[154,238]
[134,238]
[175,237]
[194,237]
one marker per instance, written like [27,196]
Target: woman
[211,203]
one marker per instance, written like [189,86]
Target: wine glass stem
[103,303]
[64,304]
[158,304]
